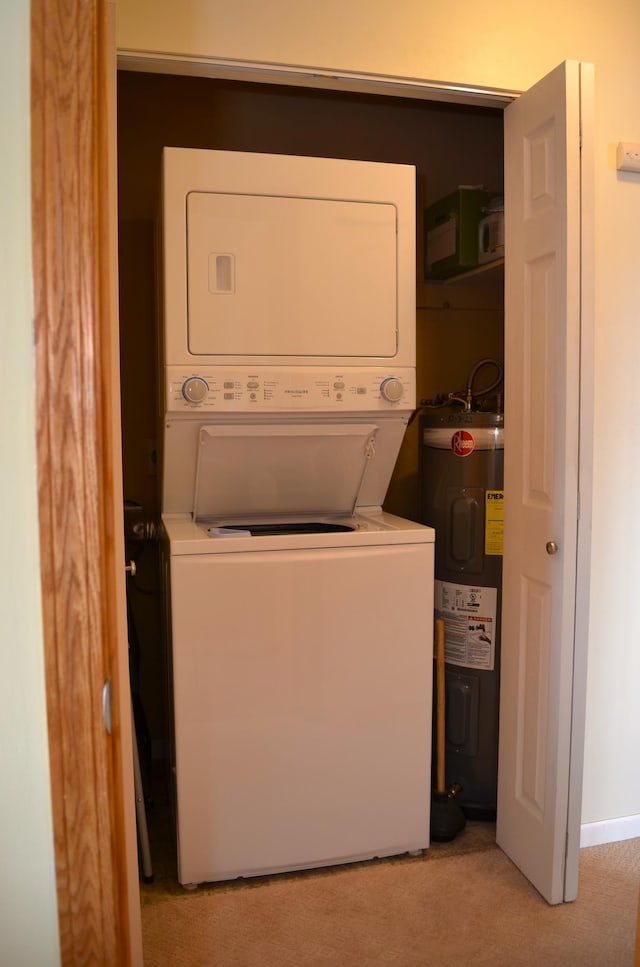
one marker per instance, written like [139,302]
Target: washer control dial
[391,389]
[195,389]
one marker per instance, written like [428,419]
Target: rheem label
[463,443]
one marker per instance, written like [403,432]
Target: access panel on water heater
[272,275]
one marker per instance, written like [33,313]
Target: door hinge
[106,705]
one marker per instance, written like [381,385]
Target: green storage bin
[451,232]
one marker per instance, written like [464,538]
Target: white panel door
[543,203]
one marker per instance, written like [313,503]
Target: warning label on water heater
[469,614]
[494,522]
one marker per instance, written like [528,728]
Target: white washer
[302,696]
[300,615]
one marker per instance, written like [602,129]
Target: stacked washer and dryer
[299,613]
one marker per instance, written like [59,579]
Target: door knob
[552,547]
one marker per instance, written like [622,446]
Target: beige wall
[507,47]
[466,42]
[28,914]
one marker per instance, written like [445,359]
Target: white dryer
[300,615]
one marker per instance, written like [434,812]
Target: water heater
[461,495]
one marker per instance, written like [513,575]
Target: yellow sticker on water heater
[494,521]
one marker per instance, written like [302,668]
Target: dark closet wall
[450,145]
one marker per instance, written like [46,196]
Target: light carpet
[470,909]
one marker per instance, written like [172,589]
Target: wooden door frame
[77,474]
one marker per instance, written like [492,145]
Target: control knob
[391,389]
[195,389]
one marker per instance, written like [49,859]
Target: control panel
[313,389]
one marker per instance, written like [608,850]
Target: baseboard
[609,831]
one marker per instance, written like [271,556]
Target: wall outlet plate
[628,156]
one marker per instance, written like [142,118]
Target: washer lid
[284,469]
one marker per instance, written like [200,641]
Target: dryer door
[287,260]
[291,276]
